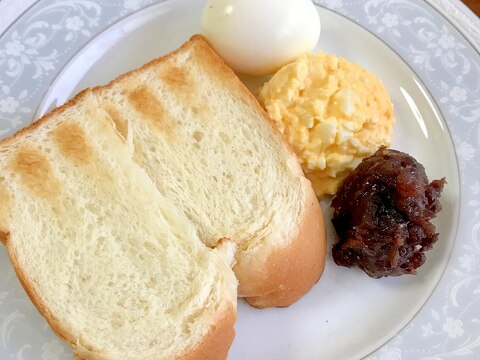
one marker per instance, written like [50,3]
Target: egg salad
[332,112]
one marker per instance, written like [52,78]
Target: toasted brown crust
[291,271]
[217,342]
[4,237]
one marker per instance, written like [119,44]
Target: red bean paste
[382,215]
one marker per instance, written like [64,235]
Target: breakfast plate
[432,73]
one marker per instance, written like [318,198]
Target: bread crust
[288,272]
[216,343]
[4,237]
[311,234]
[54,323]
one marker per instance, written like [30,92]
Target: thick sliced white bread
[115,268]
[208,146]
[176,153]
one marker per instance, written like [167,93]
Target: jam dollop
[382,215]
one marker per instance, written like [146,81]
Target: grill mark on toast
[72,142]
[118,120]
[74,145]
[175,76]
[147,104]
[36,172]
[184,88]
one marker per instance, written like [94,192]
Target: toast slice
[209,147]
[107,203]
[116,269]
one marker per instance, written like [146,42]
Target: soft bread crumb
[117,261]
[117,265]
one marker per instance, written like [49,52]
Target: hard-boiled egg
[257,37]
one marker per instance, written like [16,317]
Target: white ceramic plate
[346,315]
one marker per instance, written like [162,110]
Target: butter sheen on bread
[121,211]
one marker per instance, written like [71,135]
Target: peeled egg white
[256,37]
